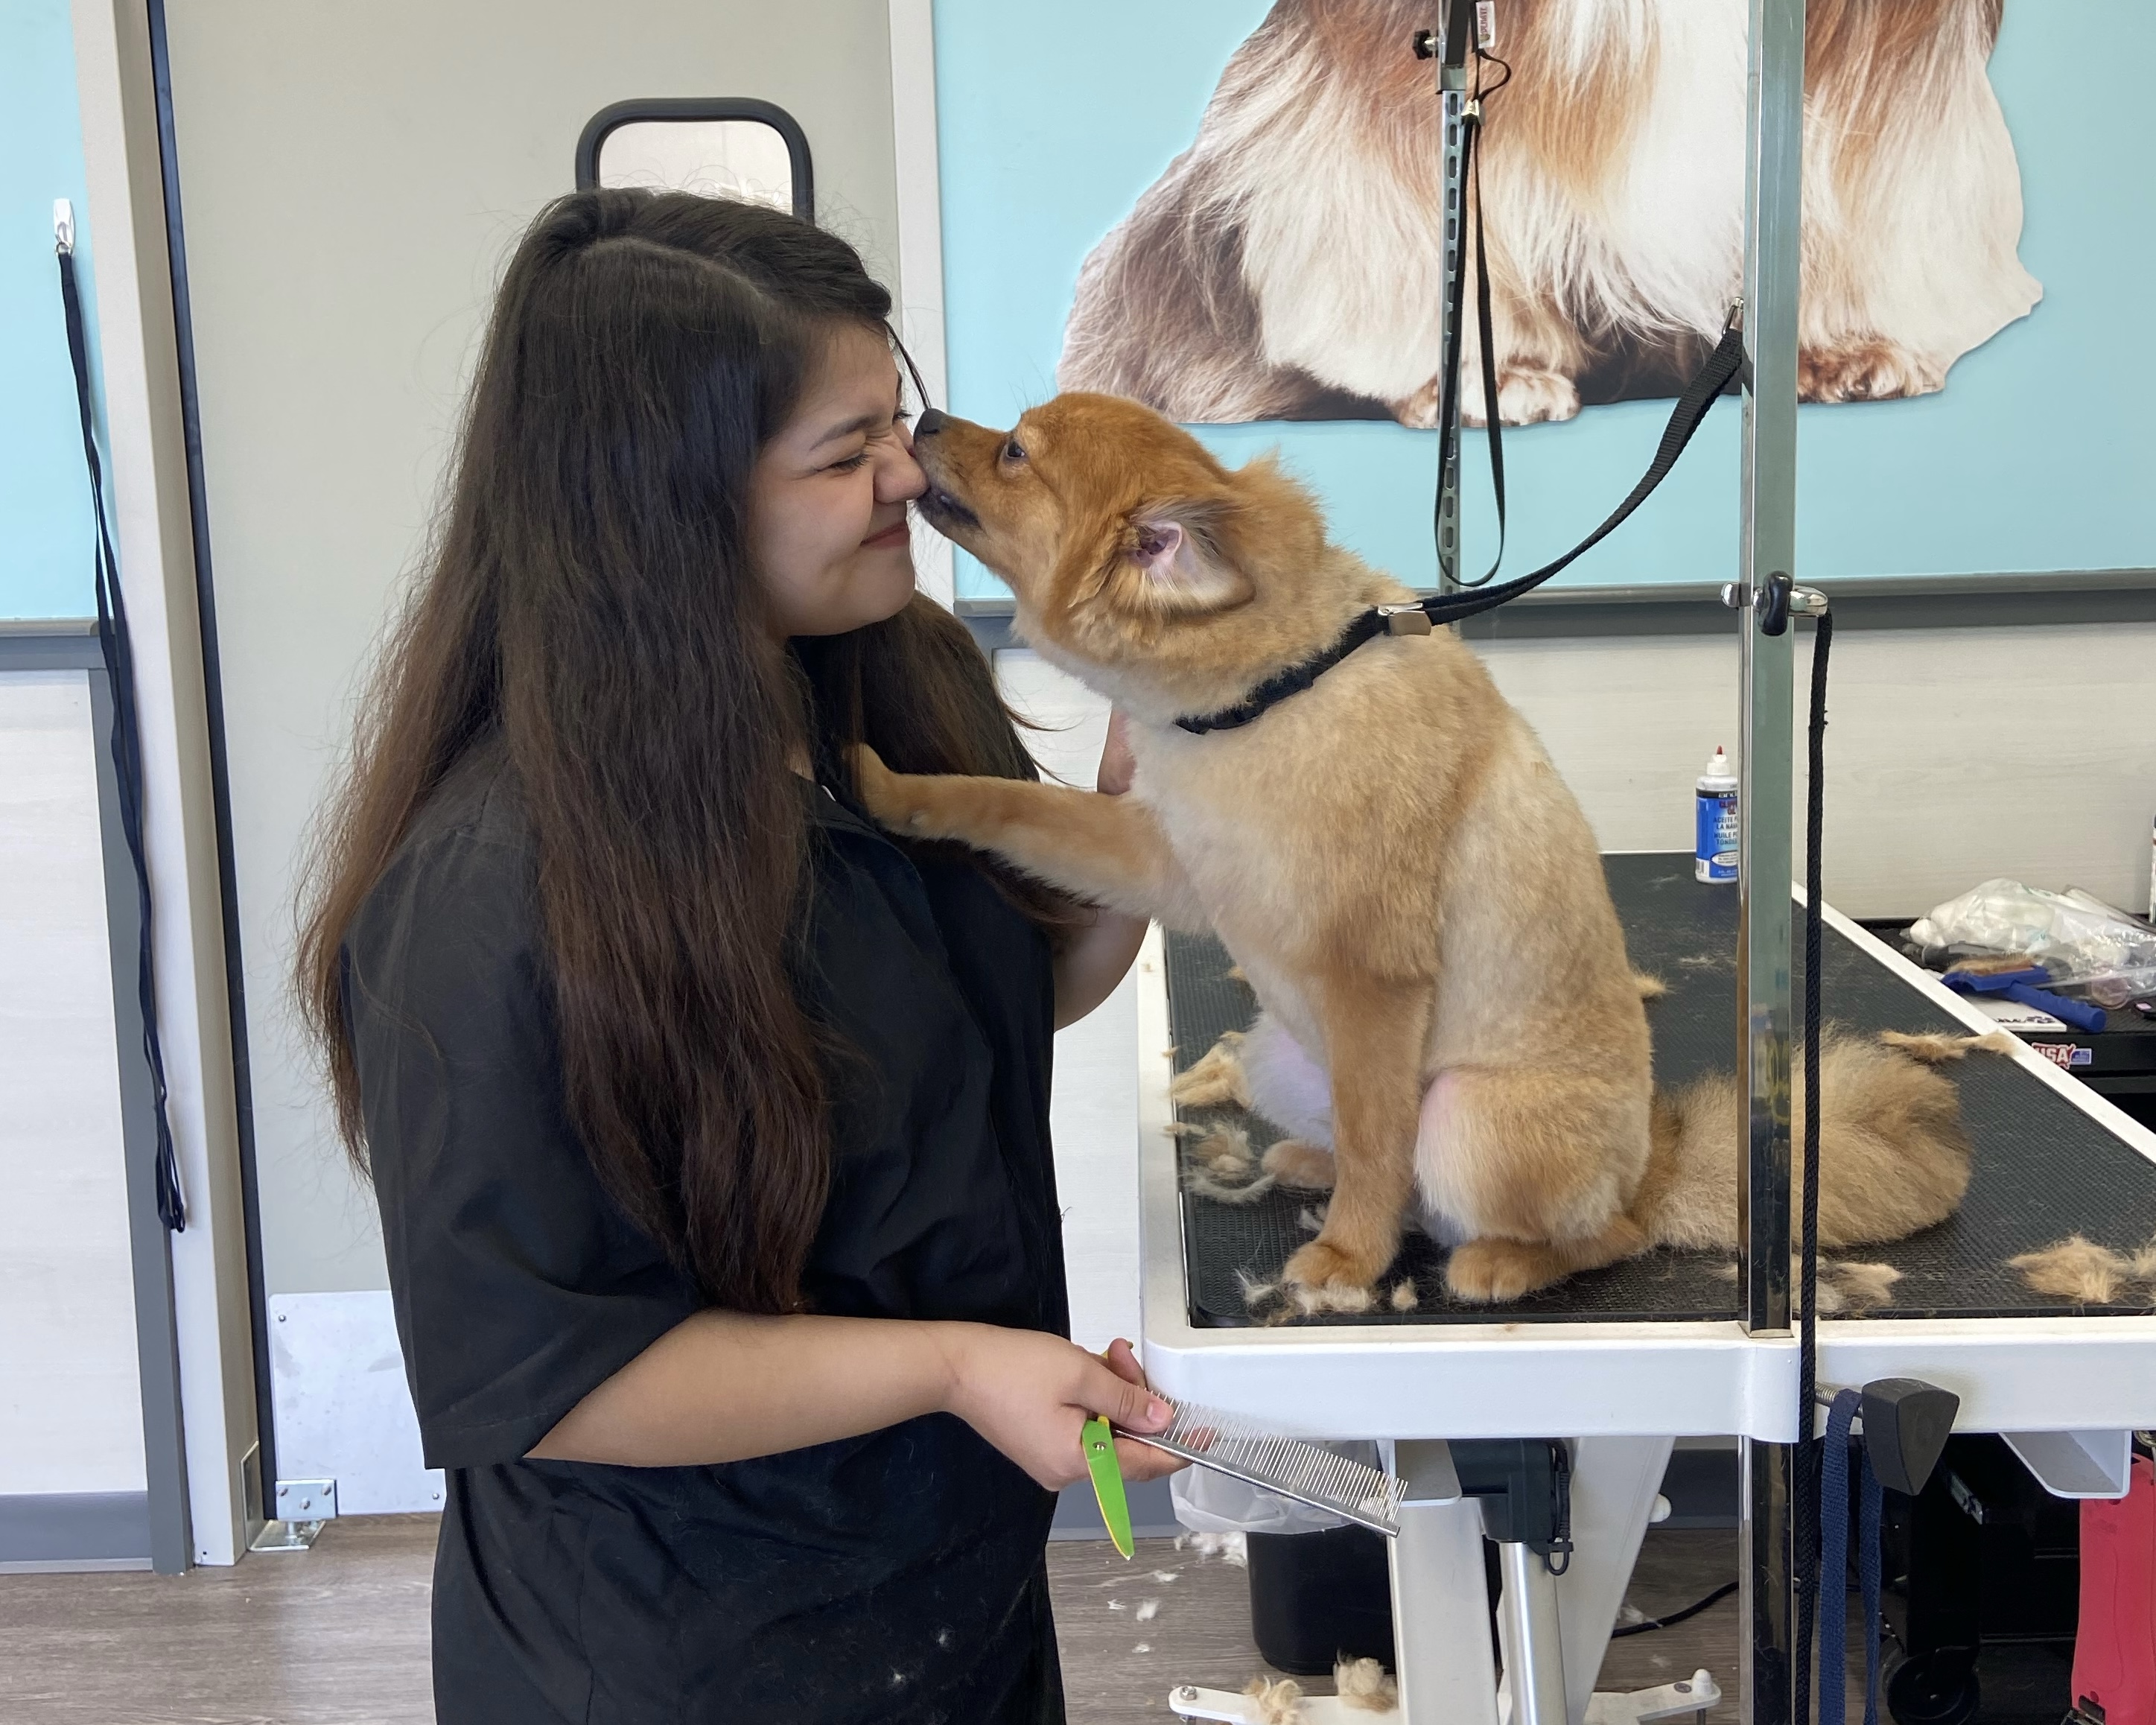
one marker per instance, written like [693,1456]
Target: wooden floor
[338,1636]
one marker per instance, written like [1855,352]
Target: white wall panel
[70,1394]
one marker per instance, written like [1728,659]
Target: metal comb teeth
[1237,1446]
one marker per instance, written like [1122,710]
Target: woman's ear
[1180,569]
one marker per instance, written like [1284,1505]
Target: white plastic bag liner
[1210,1502]
[2088,946]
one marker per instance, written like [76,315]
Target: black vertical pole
[235,976]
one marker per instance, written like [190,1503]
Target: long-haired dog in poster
[1288,265]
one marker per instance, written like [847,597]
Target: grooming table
[1627,1358]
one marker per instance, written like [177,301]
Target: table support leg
[1767,1649]
[1614,1483]
[1448,1674]
[1530,1632]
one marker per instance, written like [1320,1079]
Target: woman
[709,1125]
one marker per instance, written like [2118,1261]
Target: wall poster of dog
[1286,265]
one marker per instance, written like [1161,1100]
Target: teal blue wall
[45,519]
[2038,455]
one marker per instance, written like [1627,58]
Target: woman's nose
[898,477]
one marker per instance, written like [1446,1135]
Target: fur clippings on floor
[1278,1699]
[1364,1684]
[1361,1684]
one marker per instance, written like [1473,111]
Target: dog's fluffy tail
[1893,1158]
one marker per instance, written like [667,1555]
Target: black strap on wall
[113,641]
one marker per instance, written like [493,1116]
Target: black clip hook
[1774,604]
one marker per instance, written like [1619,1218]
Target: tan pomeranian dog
[1411,890]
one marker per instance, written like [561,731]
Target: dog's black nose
[929,424]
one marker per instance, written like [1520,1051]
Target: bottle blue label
[1715,836]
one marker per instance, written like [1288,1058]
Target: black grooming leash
[1448,414]
[1419,616]
[119,655]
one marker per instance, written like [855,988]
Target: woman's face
[827,520]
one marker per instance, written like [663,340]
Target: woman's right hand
[1028,1393]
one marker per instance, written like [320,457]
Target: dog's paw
[1324,1277]
[1303,1166]
[882,792]
[1418,412]
[1487,1272]
[1865,371]
[1524,398]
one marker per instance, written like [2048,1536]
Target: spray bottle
[1714,850]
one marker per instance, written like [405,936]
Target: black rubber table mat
[2043,1168]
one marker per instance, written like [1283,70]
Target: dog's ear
[1180,564]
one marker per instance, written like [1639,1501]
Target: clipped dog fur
[1364,1685]
[1855,1289]
[1216,1081]
[1219,1165]
[1229,1548]
[1415,897]
[1278,1699]
[1361,1685]
[1846,1290]
[2077,1270]
[1935,1048]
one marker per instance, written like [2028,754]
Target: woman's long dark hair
[591,601]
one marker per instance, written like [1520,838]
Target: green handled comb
[1098,1443]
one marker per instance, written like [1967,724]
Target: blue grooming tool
[2021,986]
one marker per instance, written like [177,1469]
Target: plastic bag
[1210,1502]
[2089,947]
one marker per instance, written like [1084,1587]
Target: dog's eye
[1013,451]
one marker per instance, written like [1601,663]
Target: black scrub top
[897,1578]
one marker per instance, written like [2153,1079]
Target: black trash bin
[1316,1598]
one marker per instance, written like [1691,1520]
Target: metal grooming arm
[1450,47]
[1772,205]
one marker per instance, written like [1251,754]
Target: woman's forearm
[722,1386]
[1097,959]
